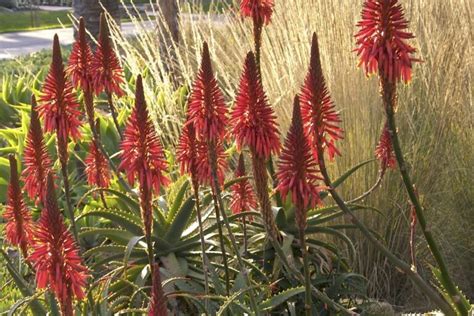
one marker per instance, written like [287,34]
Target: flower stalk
[389,99]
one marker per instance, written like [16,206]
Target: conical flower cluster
[55,255]
[97,167]
[382,41]
[107,72]
[321,121]
[207,110]
[36,159]
[298,173]
[19,225]
[384,150]
[142,154]
[79,67]
[258,10]
[192,155]
[243,197]
[58,105]
[253,120]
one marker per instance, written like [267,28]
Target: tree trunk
[90,10]
[169,36]
[169,8]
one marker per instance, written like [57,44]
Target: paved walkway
[21,43]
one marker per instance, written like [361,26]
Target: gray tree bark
[169,35]
[90,10]
[169,8]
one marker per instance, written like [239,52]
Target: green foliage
[33,20]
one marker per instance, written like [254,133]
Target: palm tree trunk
[90,10]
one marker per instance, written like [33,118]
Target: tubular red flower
[384,150]
[19,225]
[79,66]
[243,197]
[55,255]
[158,299]
[193,157]
[97,167]
[106,70]
[258,10]
[142,154]
[207,110]
[58,105]
[298,173]
[253,120]
[382,41]
[320,119]
[36,159]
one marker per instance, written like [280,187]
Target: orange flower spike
[243,197]
[192,155]
[35,158]
[382,41]
[19,224]
[107,71]
[142,154]
[56,257]
[384,150]
[97,167]
[253,120]
[320,119]
[58,106]
[298,173]
[258,10]
[207,109]
[79,67]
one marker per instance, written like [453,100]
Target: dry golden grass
[435,112]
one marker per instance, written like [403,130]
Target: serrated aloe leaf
[35,305]
[178,200]
[126,220]
[280,298]
[180,221]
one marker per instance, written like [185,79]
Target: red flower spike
[258,10]
[79,67]
[55,255]
[382,41]
[107,72]
[243,197]
[58,105]
[320,119]
[207,110]
[193,157]
[384,150]
[298,172]
[142,154]
[253,120]
[158,299]
[36,159]
[19,225]
[97,167]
